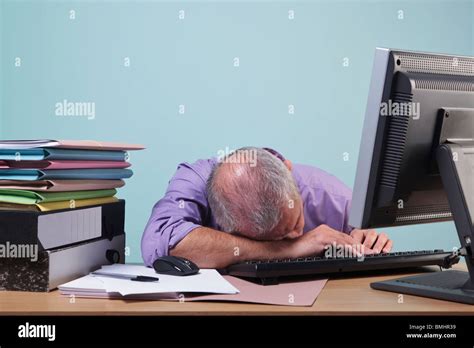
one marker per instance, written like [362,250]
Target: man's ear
[288,164]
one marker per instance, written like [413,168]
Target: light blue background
[190,62]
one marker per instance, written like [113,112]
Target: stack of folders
[59,217]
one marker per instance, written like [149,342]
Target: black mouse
[174,265]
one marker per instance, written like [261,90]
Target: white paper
[206,281]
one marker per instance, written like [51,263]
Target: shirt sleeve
[346,227]
[338,209]
[327,200]
[183,208]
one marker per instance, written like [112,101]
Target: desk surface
[350,296]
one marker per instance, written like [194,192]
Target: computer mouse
[174,265]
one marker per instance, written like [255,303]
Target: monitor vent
[423,213]
[424,217]
[436,64]
[412,214]
[445,85]
[396,139]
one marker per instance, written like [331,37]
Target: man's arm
[183,208]
[210,248]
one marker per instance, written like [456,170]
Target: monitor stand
[455,158]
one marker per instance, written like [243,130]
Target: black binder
[59,228]
[51,268]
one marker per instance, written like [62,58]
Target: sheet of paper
[206,281]
[87,284]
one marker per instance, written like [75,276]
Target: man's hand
[315,241]
[370,239]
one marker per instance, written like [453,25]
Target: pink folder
[68,144]
[295,293]
[61,185]
[64,164]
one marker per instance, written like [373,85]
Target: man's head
[252,192]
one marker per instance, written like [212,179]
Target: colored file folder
[31,197]
[36,174]
[70,204]
[61,185]
[67,144]
[60,154]
[63,164]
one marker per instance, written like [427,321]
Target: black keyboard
[268,271]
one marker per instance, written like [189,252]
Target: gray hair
[248,196]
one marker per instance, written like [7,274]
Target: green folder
[32,197]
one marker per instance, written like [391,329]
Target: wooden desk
[351,296]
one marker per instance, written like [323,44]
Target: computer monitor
[416,158]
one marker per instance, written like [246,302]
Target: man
[252,204]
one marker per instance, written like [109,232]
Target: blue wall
[190,62]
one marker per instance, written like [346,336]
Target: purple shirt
[184,207]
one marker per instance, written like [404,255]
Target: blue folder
[75,174]
[61,154]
